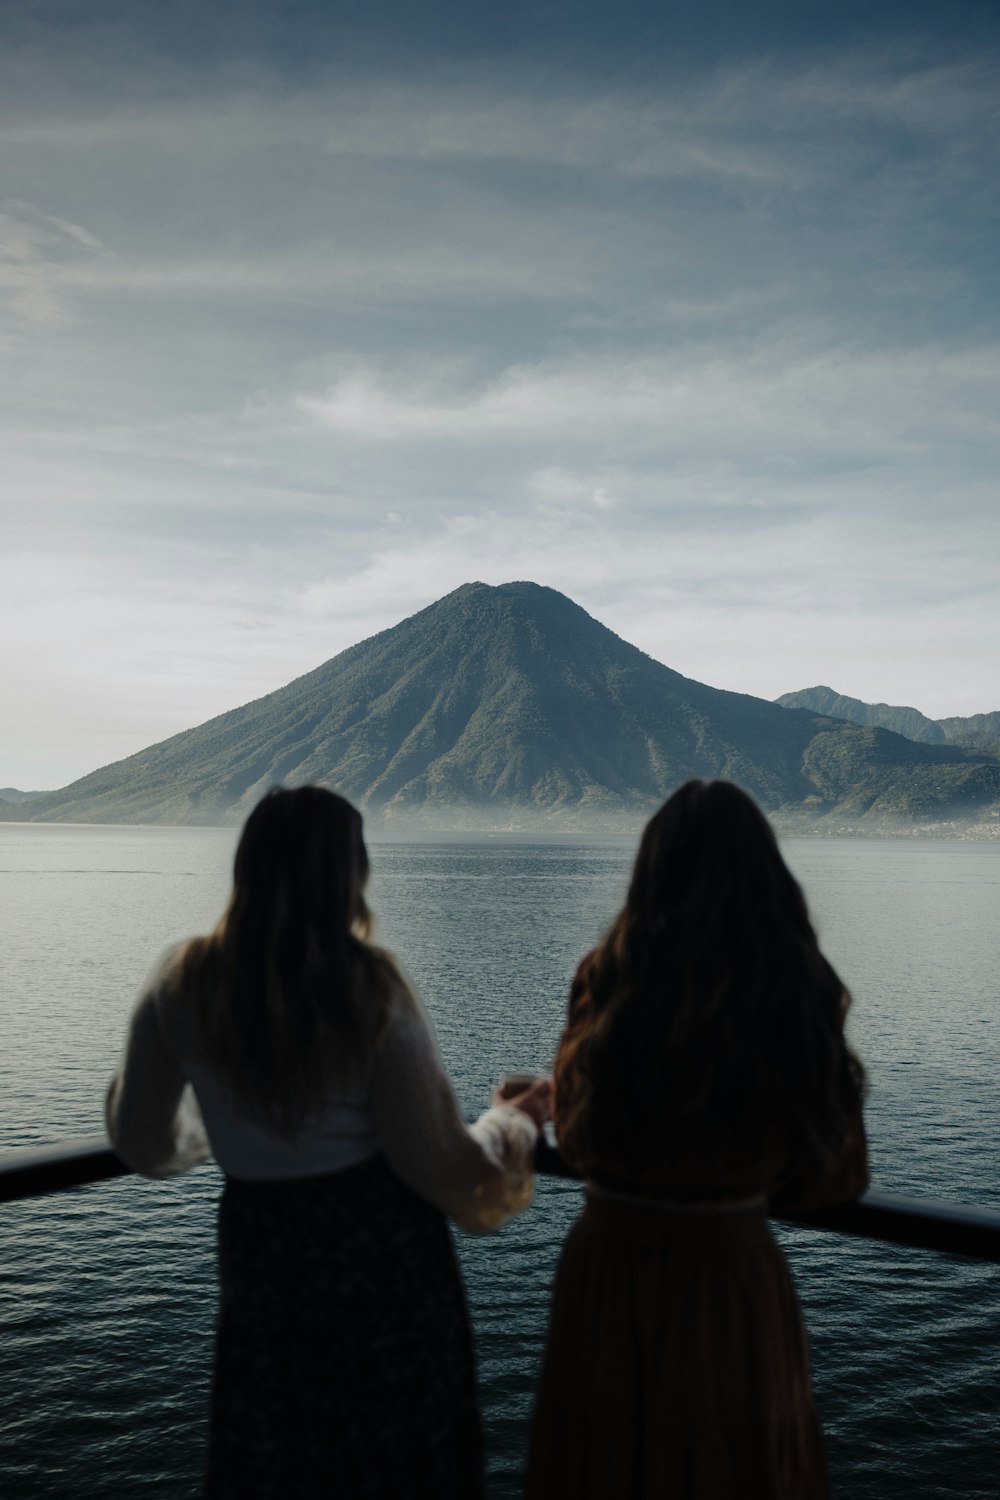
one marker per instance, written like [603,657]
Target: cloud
[785,402]
[505,183]
[290,350]
[33,253]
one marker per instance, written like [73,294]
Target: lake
[107,1292]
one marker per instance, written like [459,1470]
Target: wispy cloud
[786,402]
[289,351]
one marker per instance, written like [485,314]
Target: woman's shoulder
[384,969]
[407,1038]
[384,963]
[165,977]
[170,991]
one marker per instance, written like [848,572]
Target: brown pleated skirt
[676,1365]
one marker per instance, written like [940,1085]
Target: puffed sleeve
[480,1174]
[153,1120]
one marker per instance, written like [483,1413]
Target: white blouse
[167,1109]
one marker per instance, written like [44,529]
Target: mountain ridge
[976,731]
[498,705]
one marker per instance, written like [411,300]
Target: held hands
[530,1093]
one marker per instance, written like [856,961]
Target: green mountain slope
[495,706]
[978,731]
[906,721]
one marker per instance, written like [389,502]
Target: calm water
[107,1293]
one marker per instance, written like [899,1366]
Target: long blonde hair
[291,993]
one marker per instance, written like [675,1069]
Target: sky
[312,312]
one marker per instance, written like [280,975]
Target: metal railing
[923,1223]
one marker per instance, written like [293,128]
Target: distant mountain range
[979,731]
[511,707]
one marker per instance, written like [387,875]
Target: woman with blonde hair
[702,1078]
[343,1359]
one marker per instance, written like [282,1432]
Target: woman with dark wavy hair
[702,1078]
[343,1357]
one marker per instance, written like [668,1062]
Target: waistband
[755,1204]
[343,1179]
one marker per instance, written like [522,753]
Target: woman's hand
[535,1100]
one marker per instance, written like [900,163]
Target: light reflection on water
[107,1293]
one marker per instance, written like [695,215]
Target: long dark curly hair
[291,993]
[715,1018]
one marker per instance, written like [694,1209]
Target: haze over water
[107,1293]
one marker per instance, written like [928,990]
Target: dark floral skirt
[343,1362]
